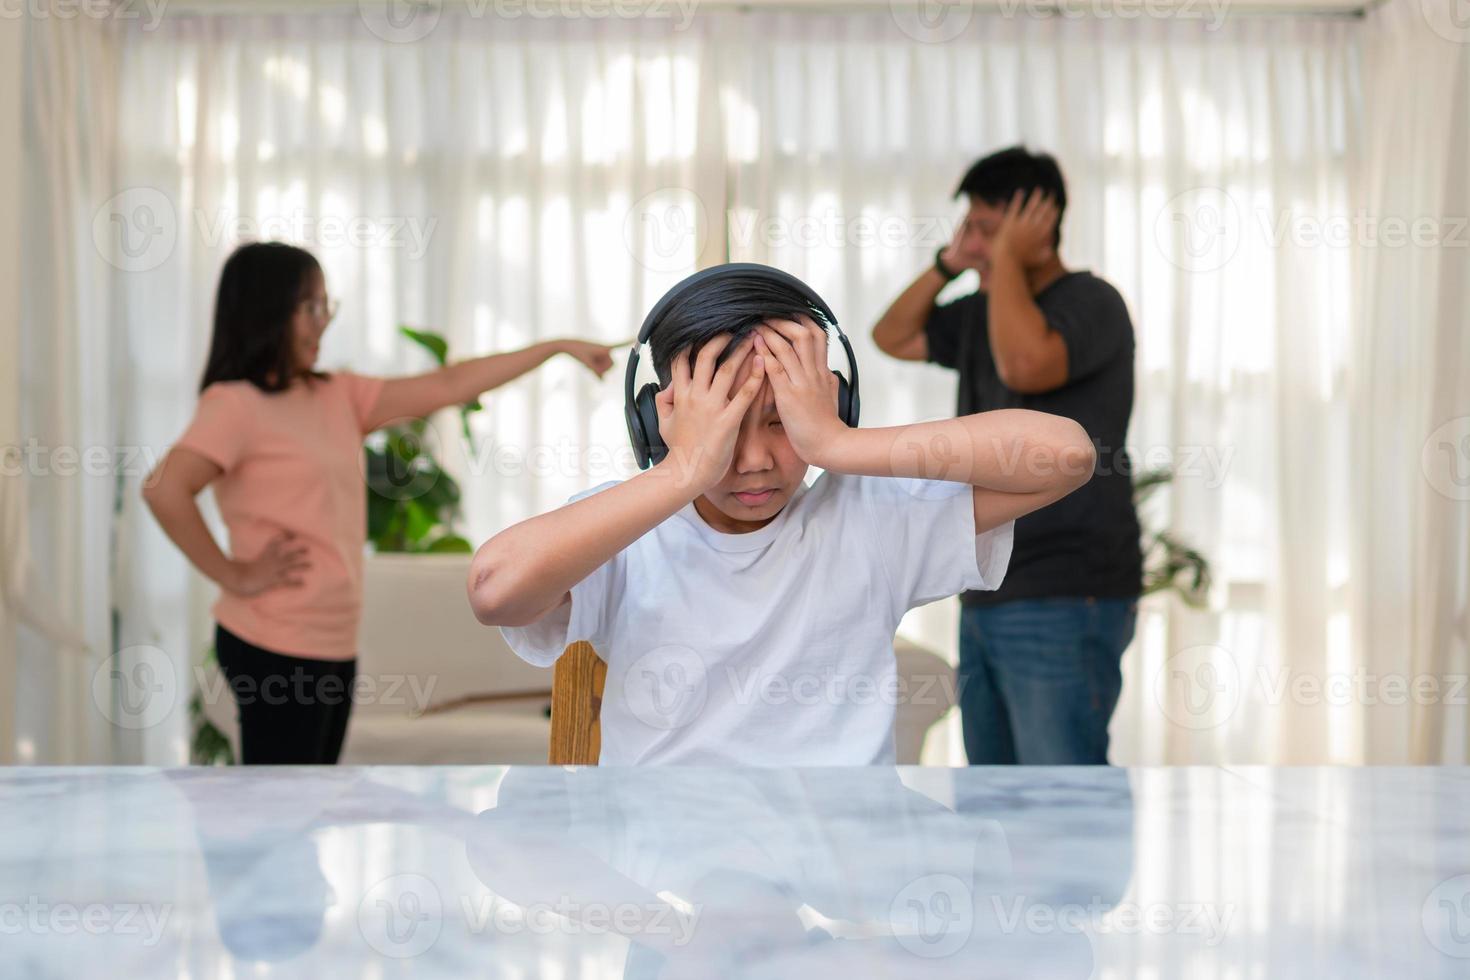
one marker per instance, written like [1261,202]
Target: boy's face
[764,473]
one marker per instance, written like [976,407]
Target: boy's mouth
[754,499]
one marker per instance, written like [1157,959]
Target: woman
[282,442]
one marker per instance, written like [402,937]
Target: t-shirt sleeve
[362,393]
[220,429]
[944,329]
[594,601]
[1095,326]
[926,540]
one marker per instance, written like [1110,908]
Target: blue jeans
[1039,679]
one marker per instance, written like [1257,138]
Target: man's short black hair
[996,178]
[734,304]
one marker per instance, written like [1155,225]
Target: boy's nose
[752,454]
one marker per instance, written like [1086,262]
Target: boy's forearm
[525,570]
[1010,450]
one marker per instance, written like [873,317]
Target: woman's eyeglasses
[322,309]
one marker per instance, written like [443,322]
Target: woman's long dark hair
[260,288]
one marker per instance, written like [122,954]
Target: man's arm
[899,332]
[1030,357]
[528,570]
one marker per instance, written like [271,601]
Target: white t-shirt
[773,647]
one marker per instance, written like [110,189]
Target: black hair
[732,304]
[260,288]
[995,180]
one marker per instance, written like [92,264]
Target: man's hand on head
[1028,229]
[795,356]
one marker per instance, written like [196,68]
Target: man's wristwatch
[944,270]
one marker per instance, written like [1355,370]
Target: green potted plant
[413,503]
[1169,564]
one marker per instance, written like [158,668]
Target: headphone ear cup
[847,403]
[653,448]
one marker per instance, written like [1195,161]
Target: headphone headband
[643,419]
[733,269]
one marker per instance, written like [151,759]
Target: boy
[746,618]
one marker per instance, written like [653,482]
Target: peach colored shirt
[292,461]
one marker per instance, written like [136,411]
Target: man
[1040,656]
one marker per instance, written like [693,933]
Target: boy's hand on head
[795,357]
[699,416]
[1028,228]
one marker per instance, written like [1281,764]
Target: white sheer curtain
[58,553]
[511,181]
[1410,412]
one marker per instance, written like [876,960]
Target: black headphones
[642,412]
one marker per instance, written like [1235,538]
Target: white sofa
[421,648]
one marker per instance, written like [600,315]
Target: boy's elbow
[487,600]
[494,596]
[1078,455]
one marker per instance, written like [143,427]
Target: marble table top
[547,872]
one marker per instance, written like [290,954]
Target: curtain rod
[571,8]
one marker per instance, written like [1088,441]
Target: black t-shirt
[1087,543]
